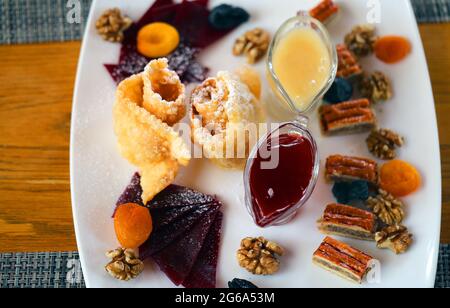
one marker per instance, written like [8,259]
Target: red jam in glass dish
[276,190]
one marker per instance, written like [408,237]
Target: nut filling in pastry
[144,138]
[348,221]
[224,119]
[342,260]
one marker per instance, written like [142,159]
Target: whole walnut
[259,256]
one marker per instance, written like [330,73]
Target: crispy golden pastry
[145,140]
[164,94]
[223,118]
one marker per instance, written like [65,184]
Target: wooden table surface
[36,88]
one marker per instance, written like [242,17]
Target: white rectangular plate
[99,174]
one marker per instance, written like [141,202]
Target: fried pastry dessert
[342,260]
[347,221]
[348,65]
[348,117]
[164,94]
[144,139]
[223,118]
[347,168]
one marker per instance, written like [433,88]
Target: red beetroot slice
[177,259]
[173,196]
[133,192]
[161,10]
[192,21]
[164,217]
[203,274]
[195,72]
[182,57]
[178,196]
[132,63]
[164,237]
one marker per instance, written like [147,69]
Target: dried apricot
[133,224]
[157,40]
[399,178]
[392,49]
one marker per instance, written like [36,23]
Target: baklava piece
[325,11]
[348,117]
[347,221]
[347,168]
[342,260]
[348,65]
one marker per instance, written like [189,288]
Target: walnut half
[388,208]
[112,25]
[254,44]
[396,238]
[259,256]
[124,265]
[383,142]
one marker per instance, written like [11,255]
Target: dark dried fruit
[341,91]
[241,284]
[345,192]
[225,17]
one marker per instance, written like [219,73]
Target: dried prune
[225,17]
[241,284]
[346,192]
[341,91]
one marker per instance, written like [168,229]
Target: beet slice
[192,21]
[132,63]
[177,259]
[178,196]
[160,10]
[203,274]
[164,237]
[164,217]
[174,196]
[133,192]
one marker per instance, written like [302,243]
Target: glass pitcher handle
[302,120]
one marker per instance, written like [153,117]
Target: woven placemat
[41,270]
[37,21]
[63,270]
